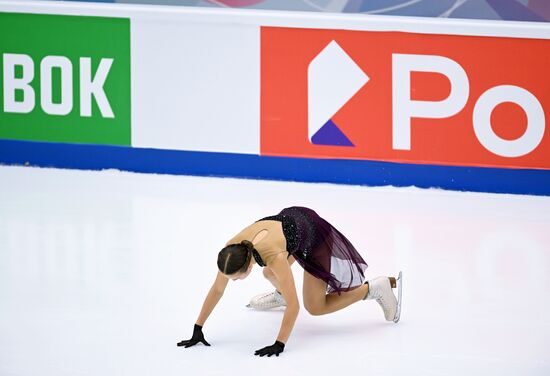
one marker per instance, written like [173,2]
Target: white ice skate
[380,289]
[267,301]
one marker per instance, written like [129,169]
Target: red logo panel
[500,90]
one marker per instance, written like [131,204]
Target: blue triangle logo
[330,134]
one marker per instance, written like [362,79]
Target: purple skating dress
[321,249]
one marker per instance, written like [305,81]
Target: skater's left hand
[274,349]
[198,336]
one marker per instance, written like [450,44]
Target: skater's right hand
[197,337]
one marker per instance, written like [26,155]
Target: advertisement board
[339,98]
[65,78]
[405,97]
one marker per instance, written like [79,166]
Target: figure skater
[333,272]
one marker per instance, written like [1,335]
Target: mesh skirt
[321,249]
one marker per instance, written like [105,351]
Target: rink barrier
[199,115]
[357,172]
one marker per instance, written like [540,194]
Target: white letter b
[11,84]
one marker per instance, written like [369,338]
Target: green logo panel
[65,78]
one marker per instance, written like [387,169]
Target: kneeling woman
[333,271]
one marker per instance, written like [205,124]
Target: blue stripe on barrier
[97,157]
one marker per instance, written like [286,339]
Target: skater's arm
[213,297]
[283,273]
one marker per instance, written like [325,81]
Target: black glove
[274,349]
[197,337]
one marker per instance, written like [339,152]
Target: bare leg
[318,302]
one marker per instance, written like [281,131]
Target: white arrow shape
[333,78]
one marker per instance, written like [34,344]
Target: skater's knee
[314,309]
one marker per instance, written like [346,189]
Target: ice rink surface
[102,273]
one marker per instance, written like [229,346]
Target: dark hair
[235,258]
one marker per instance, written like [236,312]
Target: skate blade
[265,309]
[399,295]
